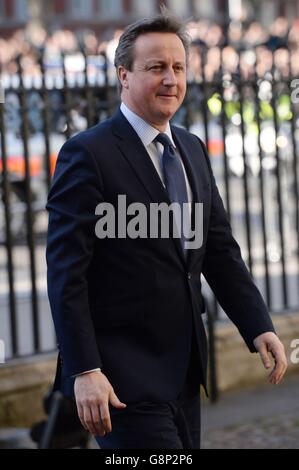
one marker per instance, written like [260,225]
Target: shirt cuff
[87,372]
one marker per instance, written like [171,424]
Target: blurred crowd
[248,50]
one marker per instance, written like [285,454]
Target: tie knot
[164,140]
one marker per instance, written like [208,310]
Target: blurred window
[267,13]
[205,9]
[144,8]
[291,10]
[110,9]
[21,10]
[179,8]
[81,9]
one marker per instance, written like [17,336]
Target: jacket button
[189,276]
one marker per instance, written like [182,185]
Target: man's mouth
[167,96]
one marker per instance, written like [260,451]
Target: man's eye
[156,67]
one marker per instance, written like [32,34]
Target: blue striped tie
[174,177]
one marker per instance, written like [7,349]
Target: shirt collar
[145,131]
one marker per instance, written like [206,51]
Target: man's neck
[159,127]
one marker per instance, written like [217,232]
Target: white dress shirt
[147,135]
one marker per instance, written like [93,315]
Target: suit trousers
[171,424]
[151,425]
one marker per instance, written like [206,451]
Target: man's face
[156,86]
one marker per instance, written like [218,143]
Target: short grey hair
[163,23]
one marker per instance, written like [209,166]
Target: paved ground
[264,417]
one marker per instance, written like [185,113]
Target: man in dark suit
[127,310]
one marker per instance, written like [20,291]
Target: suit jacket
[130,306]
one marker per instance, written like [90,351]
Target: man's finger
[280,366]
[265,356]
[89,421]
[81,415]
[115,401]
[97,422]
[279,373]
[105,417]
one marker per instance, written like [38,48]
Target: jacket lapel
[135,153]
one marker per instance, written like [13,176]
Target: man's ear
[123,76]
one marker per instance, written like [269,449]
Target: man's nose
[170,78]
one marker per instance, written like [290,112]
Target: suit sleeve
[228,276]
[73,197]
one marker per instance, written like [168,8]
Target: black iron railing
[248,116]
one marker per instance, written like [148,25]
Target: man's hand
[93,394]
[270,343]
